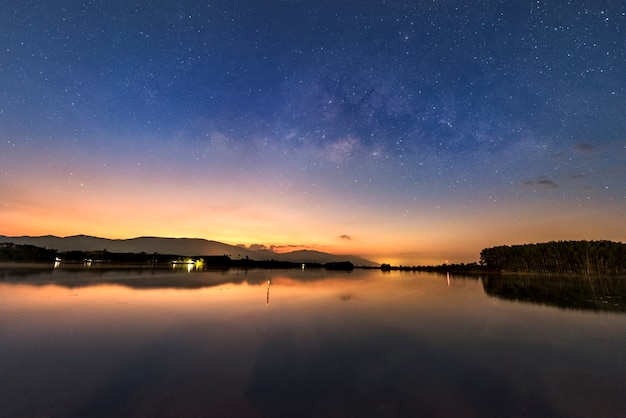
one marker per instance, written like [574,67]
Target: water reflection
[597,293]
[167,342]
[167,276]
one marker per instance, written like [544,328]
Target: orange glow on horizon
[119,208]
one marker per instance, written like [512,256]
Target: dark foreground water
[107,342]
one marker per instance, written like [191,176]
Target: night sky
[408,132]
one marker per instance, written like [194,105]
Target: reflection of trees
[30,272]
[134,278]
[155,277]
[581,293]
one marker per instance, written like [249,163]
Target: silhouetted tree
[339,265]
[563,257]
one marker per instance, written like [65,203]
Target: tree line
[26,253]
[560,257]
[442,268]
[30,253]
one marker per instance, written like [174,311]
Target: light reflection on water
[121,342]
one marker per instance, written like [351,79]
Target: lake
[89,342]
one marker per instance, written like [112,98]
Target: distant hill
[181,246]
[309,256]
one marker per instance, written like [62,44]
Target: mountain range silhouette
[180,246]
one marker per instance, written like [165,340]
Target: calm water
[297,343]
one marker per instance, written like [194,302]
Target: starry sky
[407,132]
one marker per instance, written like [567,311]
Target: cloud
[578,176]
[547,184]
[344,236]
[542,183]
[279,247]
[257,247]
[292,247]
[583,148]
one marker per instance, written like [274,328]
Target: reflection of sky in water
[327,344]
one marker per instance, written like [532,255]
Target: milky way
[410,132]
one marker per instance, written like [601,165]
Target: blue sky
[410,132]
